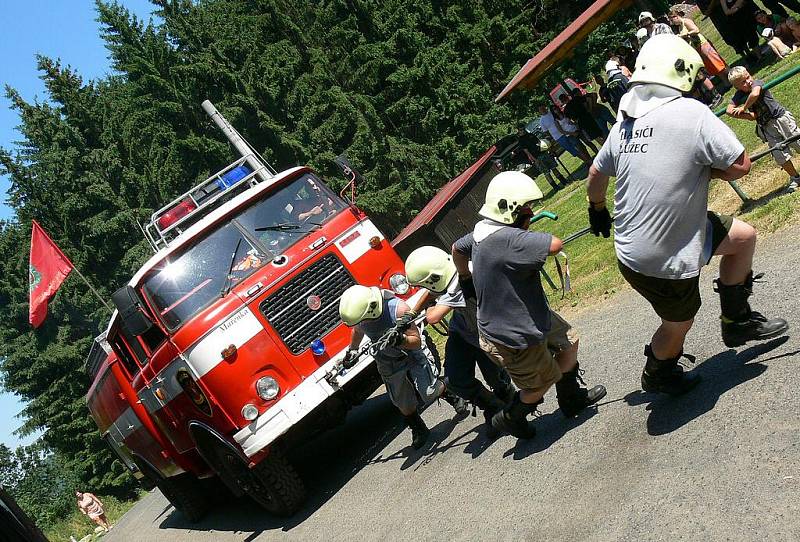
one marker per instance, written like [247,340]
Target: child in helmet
[517,328]
[404,365]
[432,268]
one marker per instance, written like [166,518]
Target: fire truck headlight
[267,388]
[399,283]
[249,412]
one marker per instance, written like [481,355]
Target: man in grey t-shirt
[517,329]
[664,152]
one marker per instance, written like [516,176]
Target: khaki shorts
[676,300]
[534,367]
[775,131]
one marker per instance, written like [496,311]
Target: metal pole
[103,301]
[241,145]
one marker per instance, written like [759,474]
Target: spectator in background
[741,17]
[604,118]
[90,506]
[569,127]
[774,123]
[532,152]
[688,30]
[617,84]
[576,108]
[649,24]
[550,123]
[777,6]
[781,33]
[712,10]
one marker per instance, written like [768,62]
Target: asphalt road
[721,463]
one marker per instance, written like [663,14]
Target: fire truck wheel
[185,494]
[273,483]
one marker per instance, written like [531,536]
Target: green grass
[80,526]
[592,260]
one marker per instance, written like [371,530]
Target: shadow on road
[326,464]
[549,429]
[720,373]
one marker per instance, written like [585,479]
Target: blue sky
[64,29]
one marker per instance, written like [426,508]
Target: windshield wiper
[290,226]
[226,286]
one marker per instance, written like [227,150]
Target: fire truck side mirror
[351,175]
[130,311]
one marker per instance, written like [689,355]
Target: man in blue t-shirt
[517,329]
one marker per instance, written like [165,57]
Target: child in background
[774,123]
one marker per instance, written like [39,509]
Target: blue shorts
[570,144]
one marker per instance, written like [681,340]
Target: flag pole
[103,301]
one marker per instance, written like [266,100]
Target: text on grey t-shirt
[662,162]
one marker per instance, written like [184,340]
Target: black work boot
[488,402]
[572,398]
[419,431]
[740,324]
[666,376]
[512,419]
[505,392]
[458,404]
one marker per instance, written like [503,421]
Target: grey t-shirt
[512,307]
[663,163]
[464,321]
[766,107]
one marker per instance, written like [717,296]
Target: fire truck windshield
[187,282]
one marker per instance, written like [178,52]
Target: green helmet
[507,193]
[430,267]
[667,60]
[544,146]
[359,303]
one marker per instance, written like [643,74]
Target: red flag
[47,270]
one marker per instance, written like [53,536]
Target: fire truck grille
[307,307]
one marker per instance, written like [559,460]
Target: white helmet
[359,303]
[507,193]
[641,35]
[646,15]
[667,60]
[430,267]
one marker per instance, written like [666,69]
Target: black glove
[350,359]
[396,338]
[467,287]
[406,321]
[599,221]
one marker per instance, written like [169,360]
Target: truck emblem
[314,302]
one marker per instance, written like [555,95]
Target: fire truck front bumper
[297,404]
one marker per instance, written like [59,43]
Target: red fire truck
[224,351]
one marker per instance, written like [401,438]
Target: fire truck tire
[281,491]
[185,493]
